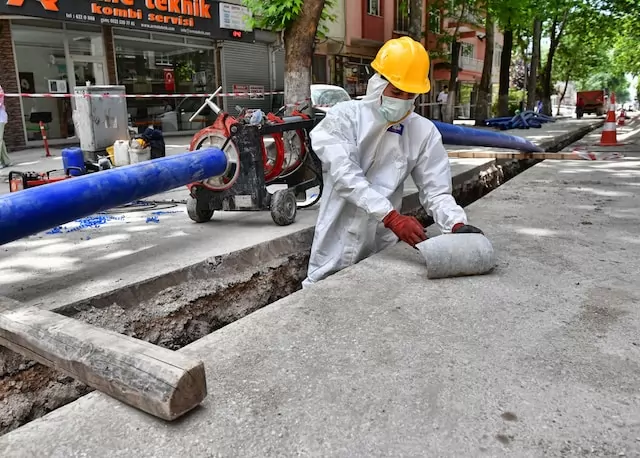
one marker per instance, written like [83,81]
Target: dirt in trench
[34,392]
[174,318]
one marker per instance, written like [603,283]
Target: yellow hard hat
[404,63]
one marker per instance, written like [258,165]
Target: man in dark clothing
[580,108]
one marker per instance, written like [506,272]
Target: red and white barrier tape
[158,96]
[137,96]
[304,102]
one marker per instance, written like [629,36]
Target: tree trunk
[483,98]
[453,83]
[547,82]
[453,76]
[564,92]
[425,110]
[415,32]
[505,66]
[533,67]
[523,51]
[415,19]
[298,51]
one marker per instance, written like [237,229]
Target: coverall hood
[375,88]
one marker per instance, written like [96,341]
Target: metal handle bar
[210,103]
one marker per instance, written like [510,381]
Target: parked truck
[594,102]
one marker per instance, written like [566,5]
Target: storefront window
[356,73]
[43,67]
[158,68]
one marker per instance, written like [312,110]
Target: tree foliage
[279,15]
[299,22]
[613,82]
[627,45]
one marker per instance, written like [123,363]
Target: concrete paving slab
[539,358]
[117,250]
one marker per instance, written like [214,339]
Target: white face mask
[394,109]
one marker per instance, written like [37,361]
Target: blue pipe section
[33,210]
[467,136]
[525,120]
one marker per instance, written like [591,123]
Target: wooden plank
[153,379]
[489,155]
[518,156]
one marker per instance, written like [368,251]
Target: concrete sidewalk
[539,358]
[34,159]
[112,251]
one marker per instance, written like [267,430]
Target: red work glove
[407,228]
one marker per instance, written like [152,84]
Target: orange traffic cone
[609,135]
[621,118]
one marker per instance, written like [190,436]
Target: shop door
[245,68]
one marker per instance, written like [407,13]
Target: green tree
[561,13]
[615,82]
[462,12]
[483,98]
[626,45]
[298,22]
[512,17]
[534,63]
[580,32]
[582,52]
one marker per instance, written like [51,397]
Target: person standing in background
[442,101]
[4,155]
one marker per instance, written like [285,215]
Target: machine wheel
[283,207]
[198,215]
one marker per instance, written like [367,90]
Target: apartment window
[434,21]
[497,56]
[402,17]
[468,50]
[373,7]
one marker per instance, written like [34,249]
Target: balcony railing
[468,18]
[402,24]
[470,64]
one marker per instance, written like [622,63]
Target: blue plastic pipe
[33,210]
[467,136]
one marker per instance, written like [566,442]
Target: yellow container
[111,153]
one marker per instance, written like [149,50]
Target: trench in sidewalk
[177,309]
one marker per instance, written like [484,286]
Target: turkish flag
[169,80]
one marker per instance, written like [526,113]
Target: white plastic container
[137,155]
[121,153]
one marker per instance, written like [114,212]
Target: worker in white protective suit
[368,148]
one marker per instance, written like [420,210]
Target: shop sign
[240,89]
[234,17]
[185,17]
[256,92]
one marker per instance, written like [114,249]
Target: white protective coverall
[365,163]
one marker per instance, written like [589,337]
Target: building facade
[362,26]
[154,50]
